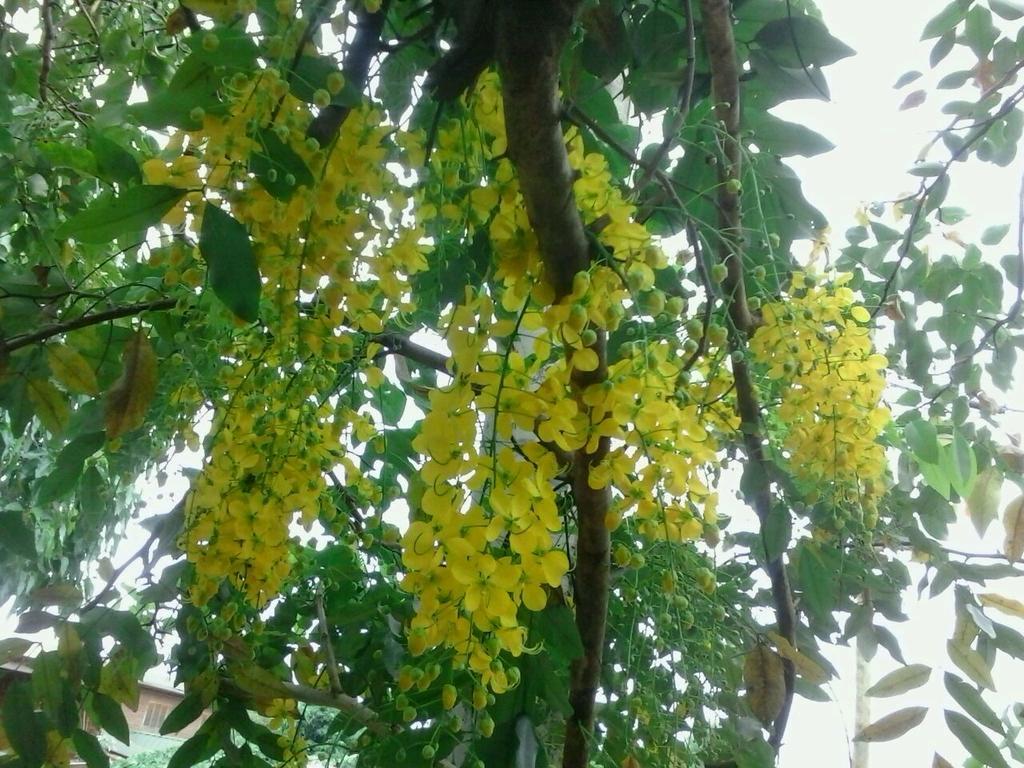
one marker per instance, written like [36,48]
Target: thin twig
[27,339]
[92,25]
[685,99]
[46,48]
[927,187]
[698,254]
[331,661]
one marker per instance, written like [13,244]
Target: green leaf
[125,627]
[981,747]
[89,749]
[941,49]
[234,276]
[928,169]
[235,49]
[947,19]
[906,79]
[23,726]
[46,680]
[195,86]
[783,138]
[817,582]
[963,465]
[970,699]
[1009,641]
[31,622]
[17,537]
[12,648]
[193,750]
[802,41]
[66,155]
[113,162]
[310,75]
[391,402]
[111,215]
[188,709]
[110,716]
[979,32]
[776,532]
[1011,10]
[923,439]
[277,166]
[556,626]
[994,235]
[68,467]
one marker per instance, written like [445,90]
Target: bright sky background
[876,143]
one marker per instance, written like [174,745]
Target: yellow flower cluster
[486,542]
[266,464]
[325,240]
[816,343]
[665,428]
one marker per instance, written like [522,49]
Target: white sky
[875,145]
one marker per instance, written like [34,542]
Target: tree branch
[530,37]
[46,48]
[95,318]
[282,689]
[365,45]
[929,185]
[396,344]
[725,91]
[330,661]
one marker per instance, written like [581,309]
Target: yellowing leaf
[965,630]
[129,398]
[1007,605]
[50,405]
[893,725]
[71,369]
[983,501]
[807,669]
[971,663]
[764,678]
[1013,525]
[901,680]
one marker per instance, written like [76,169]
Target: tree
[468,356]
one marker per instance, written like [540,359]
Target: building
[156,700]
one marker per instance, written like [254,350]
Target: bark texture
[530,37]
[725,90]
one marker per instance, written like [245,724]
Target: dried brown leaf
[893,725]
[129,398]
[764,678]
[1013,525]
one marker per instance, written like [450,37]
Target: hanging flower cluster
[265,465]
[325,226]
[815,343]
[487,541]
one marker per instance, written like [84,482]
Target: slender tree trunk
[862,706]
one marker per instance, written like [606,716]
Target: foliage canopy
[473,310]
